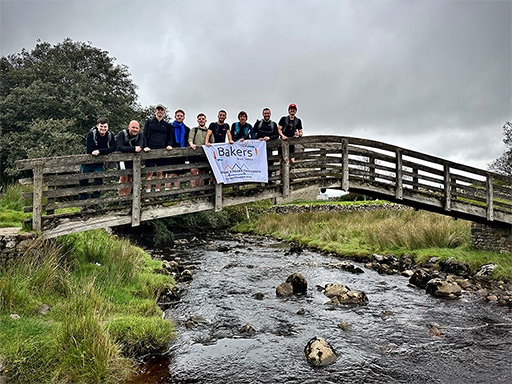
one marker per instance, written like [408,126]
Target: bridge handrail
[348,162]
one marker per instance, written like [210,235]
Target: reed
[360,234]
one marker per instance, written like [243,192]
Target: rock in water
[299,283]
[319,352]
[284,289]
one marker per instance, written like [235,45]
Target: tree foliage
[503,164]
[51,96]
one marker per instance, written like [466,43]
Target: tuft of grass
[140,337]
[90,281]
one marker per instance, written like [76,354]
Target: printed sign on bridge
[240,162]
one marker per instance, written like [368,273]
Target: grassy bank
[360,234]
[101,293]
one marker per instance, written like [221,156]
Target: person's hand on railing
[147,149]
[168,148]
[95,152]
[138,149]
[193,146]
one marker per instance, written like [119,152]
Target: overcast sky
[433,76]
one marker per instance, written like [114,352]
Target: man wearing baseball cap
[290,126]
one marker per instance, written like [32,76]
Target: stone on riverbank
[486,270]
[346,266]
[319,352]
[442,288]
[450,265]
[421,277]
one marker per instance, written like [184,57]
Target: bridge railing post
[371,166]
[344,165]
[218,197]
[489,198]
[285,168]
[399,191]
[447,188]
[37,198]
[136,190]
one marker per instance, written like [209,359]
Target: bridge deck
[352,164]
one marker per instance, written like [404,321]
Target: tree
[63,87]
[503,164]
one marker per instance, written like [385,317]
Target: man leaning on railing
[99,142]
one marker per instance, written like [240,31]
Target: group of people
[159,134]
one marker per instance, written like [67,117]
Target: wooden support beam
[218,197]
[37,199]
[136,190]
[371,162]
[447,188]
[344,163]
[490,198]
[399,189]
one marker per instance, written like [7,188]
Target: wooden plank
[136,191]
[447,188]
[37,199]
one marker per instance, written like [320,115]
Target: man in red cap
[290,126]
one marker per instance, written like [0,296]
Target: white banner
[240,162]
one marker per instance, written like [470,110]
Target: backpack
[287,123]
[94,131]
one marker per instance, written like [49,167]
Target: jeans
[85,168]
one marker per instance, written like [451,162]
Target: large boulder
[450,265]
[442,288]
[298,282]
[319,352]
[284,289]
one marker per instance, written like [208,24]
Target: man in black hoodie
[99,142]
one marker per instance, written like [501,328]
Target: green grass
[11,207]
[102,294]
[360,234]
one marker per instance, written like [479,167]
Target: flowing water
[388,341]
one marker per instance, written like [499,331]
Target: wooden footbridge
[352,164]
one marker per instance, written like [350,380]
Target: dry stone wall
[487,238]
[13,245]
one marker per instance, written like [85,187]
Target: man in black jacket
[99,142]
[129,140]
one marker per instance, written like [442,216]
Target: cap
[160,106]
[292,106]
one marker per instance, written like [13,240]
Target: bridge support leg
[496,238]
[136,188]
[344,164]
[37,202]
[285,168]
[218,197]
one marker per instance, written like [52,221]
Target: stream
[388,340]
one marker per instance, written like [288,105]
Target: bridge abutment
[491,238]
